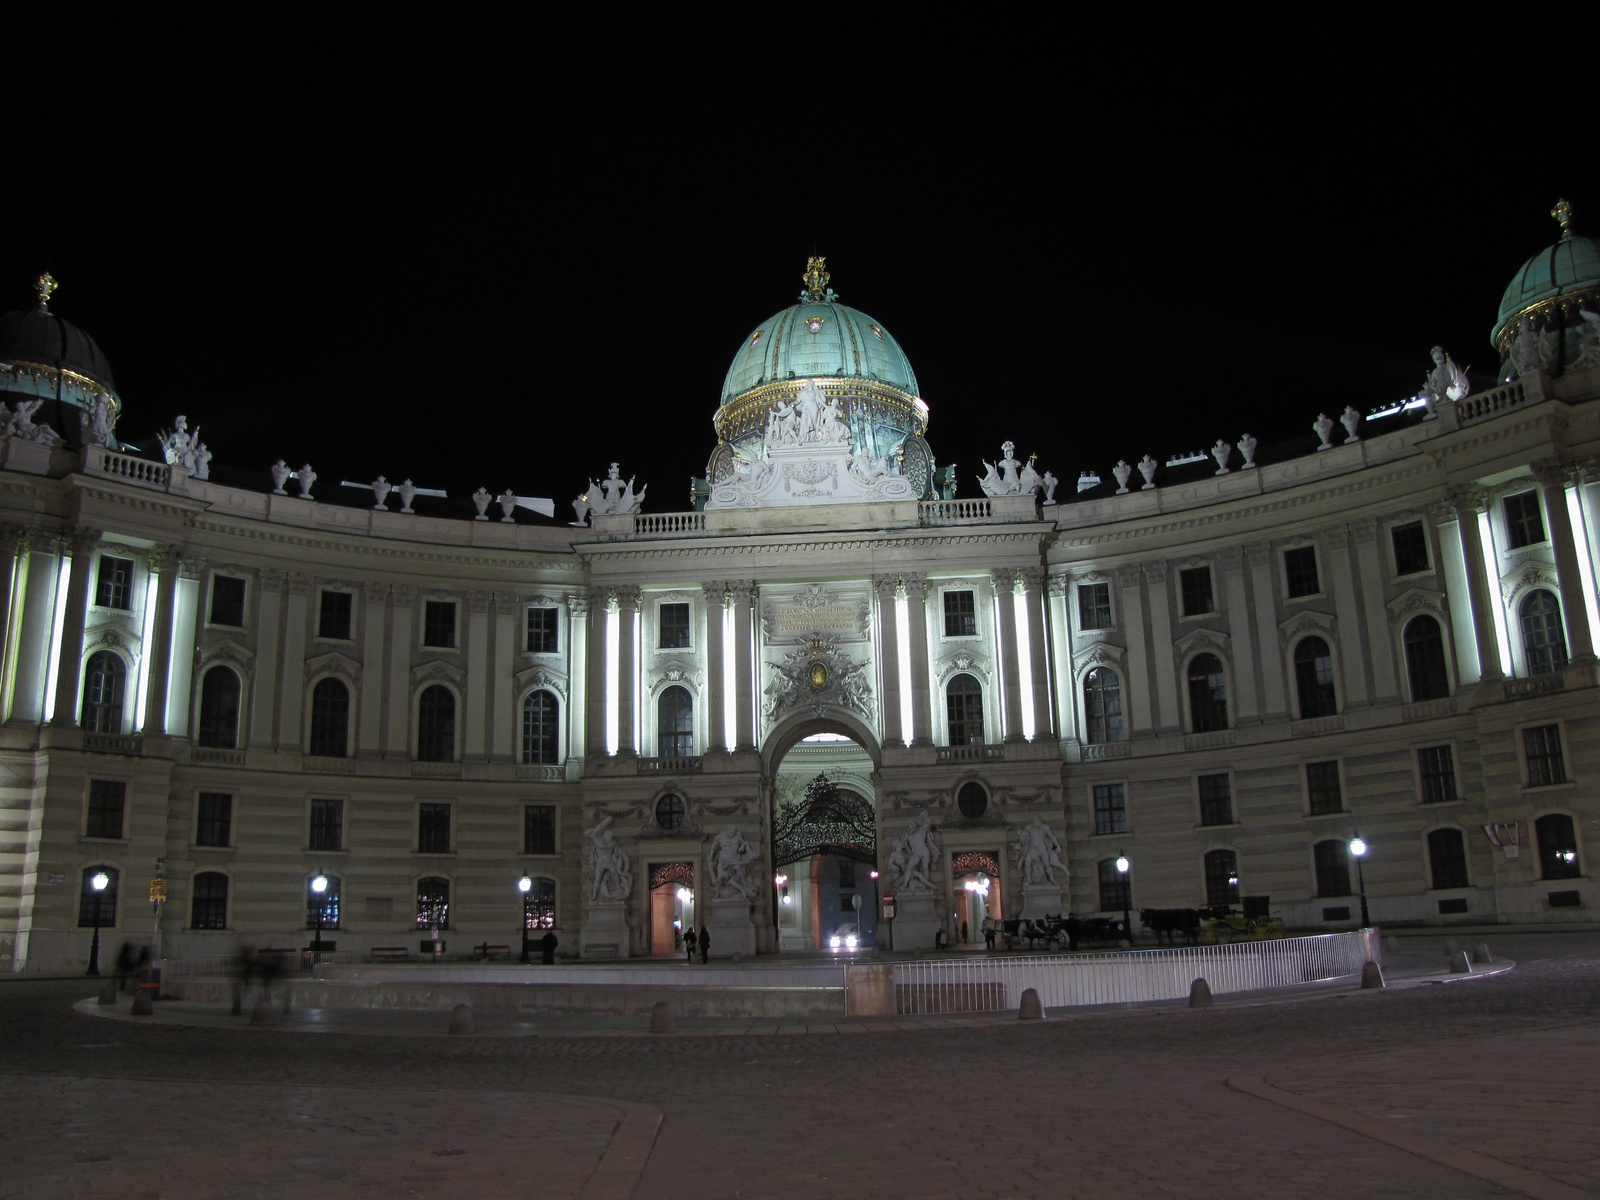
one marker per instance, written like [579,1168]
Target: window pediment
[438,671]
[1413,601]
[1201,639]
[233,653]
[334,663]
[541,678]
[1304,622]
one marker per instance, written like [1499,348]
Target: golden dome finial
[1563,212]
[46,288]
[816,278]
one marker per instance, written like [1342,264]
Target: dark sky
[511,254]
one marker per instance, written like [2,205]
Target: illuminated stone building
[1222,669]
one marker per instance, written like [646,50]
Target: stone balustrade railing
[1483,405]
[97,460]
[671,765]
[955,512]
[669,523]
[978,753]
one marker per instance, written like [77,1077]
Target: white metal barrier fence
[949,985]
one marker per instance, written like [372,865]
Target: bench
[485,952]
[388,954]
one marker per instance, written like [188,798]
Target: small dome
[817,339]
[1552,279]
[40,338]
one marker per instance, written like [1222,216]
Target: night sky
[503,256]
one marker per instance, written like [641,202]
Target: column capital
[376,593]
[1364,530]
[1230,558]
[1553,472]
[1155,572]
[404,595]
[1032,580]
[192,566]
[506,604]
[1259,554]
[716,593]
[83,541]
[1128,577]
[162,558]
[1057,585]
[1003,580]
[479,602]
[299,583]
[626,598]
[1467,499]
[578,604]
[1335,537]
[743,591]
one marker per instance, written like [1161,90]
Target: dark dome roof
[40,337]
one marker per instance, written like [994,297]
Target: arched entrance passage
[975,875]
[671,905]
[823,836]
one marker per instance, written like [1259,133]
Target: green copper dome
[1561,277]
[815,339]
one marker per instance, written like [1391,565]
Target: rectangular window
[214,819]
[1116,889]
[847,874]
[1436,767]
[1410,548]
[1300,571]
[1322,788]
[327,825]
[439,623]
[1196,585]
[1110,808]
[1524,524]
[539,829]
[542,631]
[333,616]
[960,615]
[107,799]
[1447,858]
[1216,800]
[674,626]
[433,828]
[1332,861]
[1094,606]
[209,909]
[227,600]
[1546,765]
[115,586]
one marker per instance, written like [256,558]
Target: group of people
[700,942]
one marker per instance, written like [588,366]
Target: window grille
[103,678]
[439,623]
[1546,765]
[214,819]
[1437,769]
[675,723]
[1110,808]
[1116,889]
[542,636]
[1102,706]
[330,718]
[114,587]
[539,829]
[436,725]
[1216,800]
[674,629]
[219,709]
[1524,523]
[1313,679]
[540,740]
[670,812]
[1094,606]
[1544,642]
[1322,788]
[433,828]
[107,800]
[960,615]
[1195,584]
[1425,663]
[227,600]
[208,907]
[1208,693]
[963,698]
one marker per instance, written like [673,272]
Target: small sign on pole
[158,891]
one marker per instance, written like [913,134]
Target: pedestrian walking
[691,942]
[547,949]
[705,943]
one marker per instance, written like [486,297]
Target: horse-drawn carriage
[1255,923]
[1056,932]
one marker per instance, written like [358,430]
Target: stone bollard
[1459,964]
[1200,994]
[108,994]
[1030,1009]
[1371,975]
[1480,953]
[461,1019]
[1392,944]
[1451,946]
[143,1005]
[661,1017]
[261,1014]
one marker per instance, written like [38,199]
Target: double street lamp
[1358,851]
[1123,866]
[99,882]
[525,885]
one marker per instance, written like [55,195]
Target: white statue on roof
[1004,478]
[613,494]
[1445,382]
[1534,351]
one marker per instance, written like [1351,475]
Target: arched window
[103,678]
[92,903]
[1558,847]
[539,905]
[1222,877]
[433,903]
[1313,679]
[1102,706]
[540,743]
[209,906]
[675,723]
[1544,642]
[1208,693]
[963,706]
[1447,858]
[1332,858]
[1425,660]
[330,718]
[436,725]
[328,902]
[219,709]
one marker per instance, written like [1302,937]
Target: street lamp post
[319,886]
[98,882]
[1358,851]
[524,885]
[1127,896]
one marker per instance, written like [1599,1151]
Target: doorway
[976,887]
[671,906]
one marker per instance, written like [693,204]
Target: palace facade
[1220,671]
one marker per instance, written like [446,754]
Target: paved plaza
[1477,1088]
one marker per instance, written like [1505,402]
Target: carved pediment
[1201,639]
[1306,622]
[1413,601]
[112,637]
[1099,654]
[674,673]
[438,671]
[536,678]
[1529,576]
[334,663]
[964,660]
[233,653]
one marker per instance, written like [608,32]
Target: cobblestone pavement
[1468,1090]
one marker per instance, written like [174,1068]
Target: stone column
[1274,697]
[1236,604]
[292,678]
[1468,502]
[577,677]
[627,670]
[1059,588]
[917,592]
[474,742]
[397,741]
[1380,645]
[1168,704]
[369,723]
[508,647]
[1553,486]
[162,562]
[744,597]
[25,681]
[887,589]
[1453,579]
[1044,725]
[188,615]
[1353,651]
[14,562]
[69,674]
[716,739]
[1005,594]
[1136,687]
[264,684]
[597,677]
